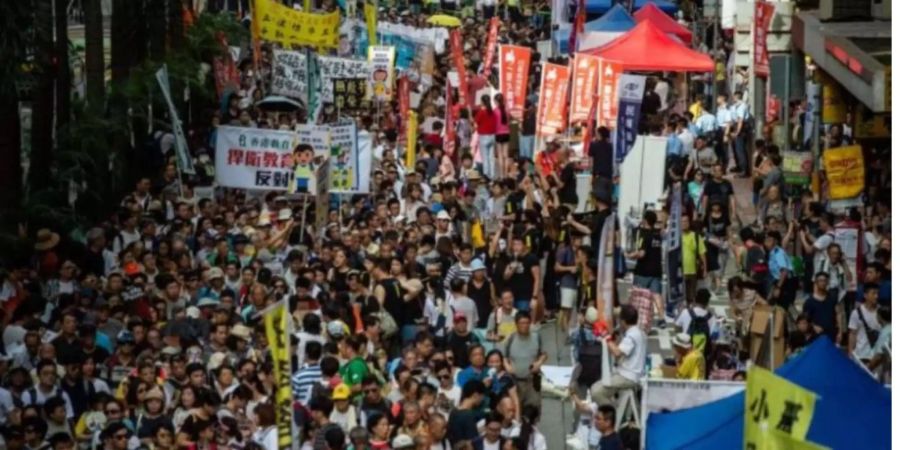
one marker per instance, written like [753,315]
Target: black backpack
[699,326]
[590,357]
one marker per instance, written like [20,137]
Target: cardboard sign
[515,63]
[253,158]
[289,74]
[348,95]
[331,68]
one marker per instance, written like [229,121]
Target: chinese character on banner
[449,122]
[631,95]
[585,76]
[551,117]
[762,17]
[515,63]
[777,412]
[608,87]
[493,30]
[456,52]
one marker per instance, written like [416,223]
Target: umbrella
[278,103]
[444,20]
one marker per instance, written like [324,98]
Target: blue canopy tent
[598,6]
[665,5]
[616,19]
[853,409]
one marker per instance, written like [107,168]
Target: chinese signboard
[493,30]
[289,74]
[344,159]
[777,412]
[456,53]
[317,136]
[331,68]
[551,118]
[631,95]
[762,16]
[673,252]
[584,85]
[287,26]
[845,170]
[609,78]
[348,94]
[514,67]
[253,158]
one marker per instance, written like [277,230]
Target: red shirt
[485,122]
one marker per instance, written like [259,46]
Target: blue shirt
[723,117]
[739,111]
[706,123]
[303,381]
[674,147]
[778,261]
[470,373]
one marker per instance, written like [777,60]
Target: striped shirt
[303,381]
[457,271]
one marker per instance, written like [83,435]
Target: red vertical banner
[551,116]
[403,102]
[585,75]
[515,63]
[762,17]
[225,71]
[493,31]
[587,134]
[449,122]
[456,52]
[609,103]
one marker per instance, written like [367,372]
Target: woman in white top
[530,437]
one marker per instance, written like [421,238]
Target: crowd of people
[416,311]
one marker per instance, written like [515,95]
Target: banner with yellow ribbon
[289,27]
[412,129]
[276,320]
[777,413]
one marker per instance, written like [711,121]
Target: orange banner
[514,67]
[456,53]
[493,31]
[586,69]
[551,117]
[609,85]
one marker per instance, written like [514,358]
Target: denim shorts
[652,283]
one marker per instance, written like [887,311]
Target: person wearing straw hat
[690,364]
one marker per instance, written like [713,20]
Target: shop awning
[650,12]
[647,48]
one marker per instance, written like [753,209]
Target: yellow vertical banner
[777,413]
[289,27]
[307,5]
[412,129]
[276,322]
[845,170]
[371,13]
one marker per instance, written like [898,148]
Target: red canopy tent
[647,48]
[652,13]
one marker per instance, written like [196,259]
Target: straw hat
[46,239]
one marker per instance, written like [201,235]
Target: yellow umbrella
[443,20]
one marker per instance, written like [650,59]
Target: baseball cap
[341,392]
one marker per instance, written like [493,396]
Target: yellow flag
[779,440]
[276,322]
[776,411]
[845,170]
[371,13]
[412,129]
[477,234]
[289,27]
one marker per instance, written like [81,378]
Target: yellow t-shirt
[720,71]
[696,109]
[692,367]
[689,252]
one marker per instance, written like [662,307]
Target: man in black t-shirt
[601,153]
[568,195]
[648,270]
[523,275]
[718,190]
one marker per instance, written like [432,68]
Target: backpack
[699,326]
[590,357]
[756,265]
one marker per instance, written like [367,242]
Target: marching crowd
[416,310]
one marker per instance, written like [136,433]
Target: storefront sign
[515,63]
